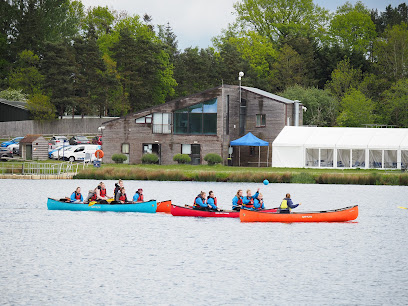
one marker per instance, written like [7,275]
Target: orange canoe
[164,206]
[337,215]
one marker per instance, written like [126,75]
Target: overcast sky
[195,22]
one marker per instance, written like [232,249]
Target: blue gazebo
[252,141]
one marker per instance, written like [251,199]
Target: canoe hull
[164,207]
[338,215]
[145,207]
[181,211]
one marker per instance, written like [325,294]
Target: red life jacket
[93,198]
[260,203]
[240,202]
[250,204]
[140,198]
[195,203]
[77,196]
[103,193]
[215,201]
[122,197]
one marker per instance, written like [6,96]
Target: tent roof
[249,140]
[342,137]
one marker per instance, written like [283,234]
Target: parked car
[97,140]
[56,149]
[79,152]
[13,141]
[75,140]
[57,140]
[13,149]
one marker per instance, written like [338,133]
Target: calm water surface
[77,258]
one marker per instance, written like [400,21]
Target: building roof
[251,89]
[30,138]
[17,104]
[343,138]
[268,94]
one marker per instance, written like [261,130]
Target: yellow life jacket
[284,205]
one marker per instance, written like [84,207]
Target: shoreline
[235,174]
[205,173]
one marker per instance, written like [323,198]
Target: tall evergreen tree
[58,67]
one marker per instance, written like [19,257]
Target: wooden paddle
[402,207]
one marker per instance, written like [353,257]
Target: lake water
[80,258]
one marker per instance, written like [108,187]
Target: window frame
[260,120]
[121,147]
[145,119]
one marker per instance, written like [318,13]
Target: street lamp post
[240,75]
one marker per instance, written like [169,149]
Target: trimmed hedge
[150,158]
[182,158]
[119,158]
[212,159]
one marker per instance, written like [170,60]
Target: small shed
[34,147]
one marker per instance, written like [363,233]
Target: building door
[29,152]
[195,154]
[152,148]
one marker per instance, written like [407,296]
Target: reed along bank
[245,174]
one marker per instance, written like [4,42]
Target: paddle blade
[92,203]
[402,207]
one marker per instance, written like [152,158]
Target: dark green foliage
[119,158]
[182,158]
[58,67]
[212,159]
[150,158]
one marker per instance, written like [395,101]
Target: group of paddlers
[253,202]
[99,195]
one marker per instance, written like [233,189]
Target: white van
[80,152]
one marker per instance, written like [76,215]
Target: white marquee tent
[337,147]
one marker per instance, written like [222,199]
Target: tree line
[348,67]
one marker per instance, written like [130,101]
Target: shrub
[303,178]
[150,158]
[212,159]
[119,158]
[182,158]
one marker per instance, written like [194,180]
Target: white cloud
[194,22]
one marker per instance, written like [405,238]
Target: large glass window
[390,158]
[343,158]
[144,120]
[162,123]
[375,159]
[404,159]
[197,119]
[358,158]
[312,157]
[326,157]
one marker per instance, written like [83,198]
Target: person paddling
[199,202]
[287,205]
[237,201]
[121,196]
[100,195]
[76,196]
[138,197]
[259,202]
[248,201]
[212,200]
[118,186]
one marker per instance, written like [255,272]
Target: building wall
[10,113]
[39,149]
[56,127]
[125,130]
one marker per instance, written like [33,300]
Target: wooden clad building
[202,123]
[34,147]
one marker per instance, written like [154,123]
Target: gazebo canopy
[253,141]
[249,140]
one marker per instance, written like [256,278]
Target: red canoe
[337,215]
[164,206]
[188,211]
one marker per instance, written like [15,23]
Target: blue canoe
[146,207]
